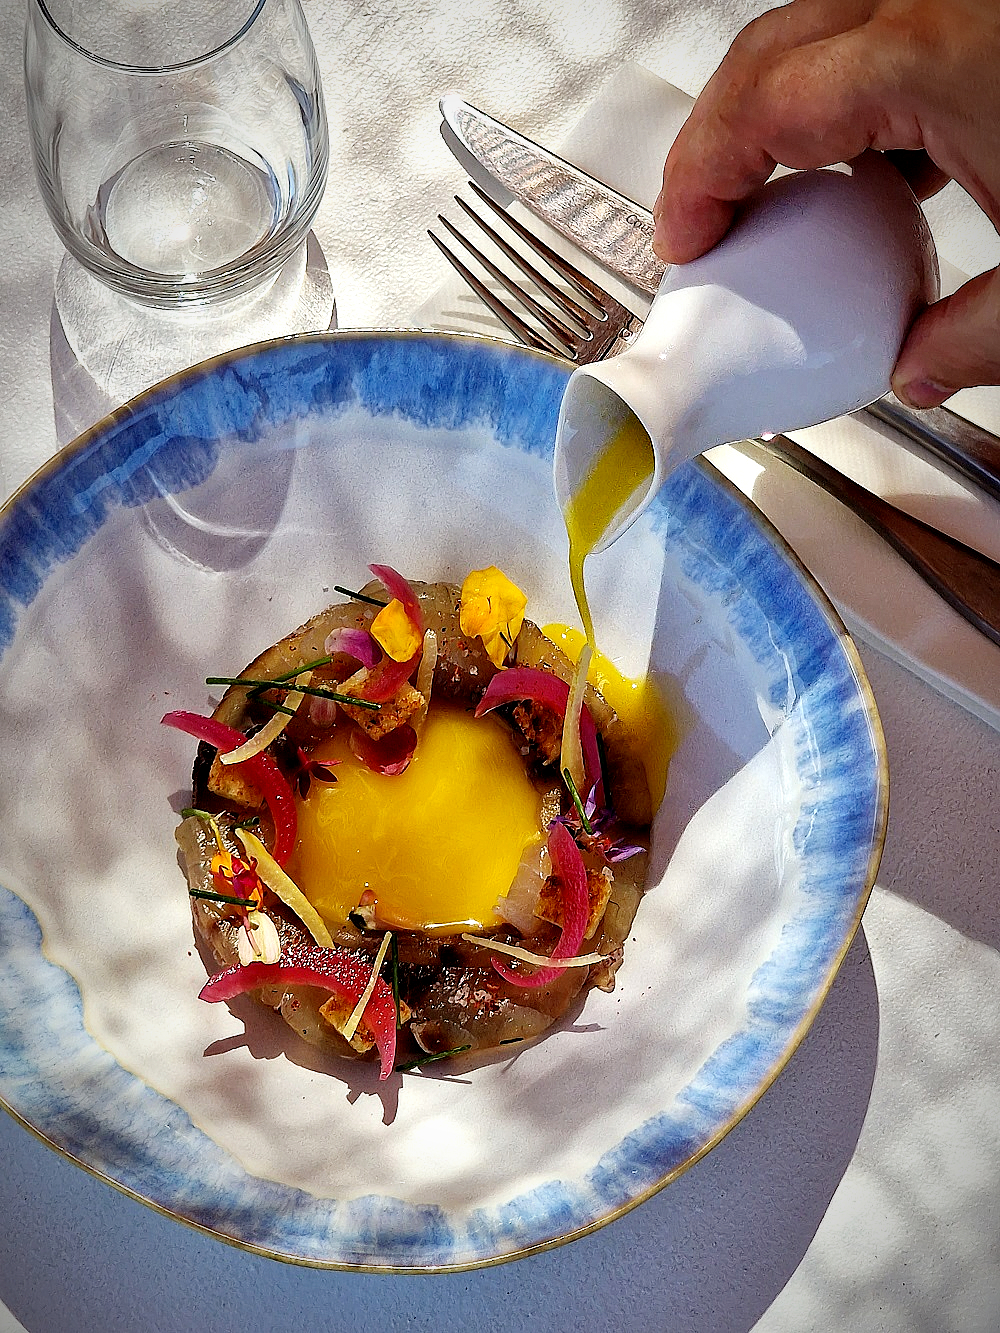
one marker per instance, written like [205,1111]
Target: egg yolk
[437,845]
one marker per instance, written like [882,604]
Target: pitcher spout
[795,317]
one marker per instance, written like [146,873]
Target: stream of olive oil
[623,469]
[620,473]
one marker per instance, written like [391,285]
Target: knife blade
[617,232]
[611,228]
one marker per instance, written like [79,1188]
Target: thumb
[952,345]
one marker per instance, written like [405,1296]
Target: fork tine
[563,335]
[580,332]
[513,322]
[561,298]
[595,294]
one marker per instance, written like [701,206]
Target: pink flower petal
[390,754]
[356,643]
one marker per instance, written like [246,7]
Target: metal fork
[588,324]
[581,322]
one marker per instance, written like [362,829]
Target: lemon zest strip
[351,1026]
[539,959]
[285,888]
[272,729]
[571,754]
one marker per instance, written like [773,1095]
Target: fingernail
[923,393]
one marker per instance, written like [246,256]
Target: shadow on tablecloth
[709,1254]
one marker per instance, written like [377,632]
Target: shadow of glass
[223,523]
[104,348]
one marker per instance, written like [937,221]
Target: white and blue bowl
[202,522]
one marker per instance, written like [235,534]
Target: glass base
[105,348]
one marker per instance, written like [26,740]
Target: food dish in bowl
[382,823]
[195,526]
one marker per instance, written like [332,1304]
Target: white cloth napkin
[622,139]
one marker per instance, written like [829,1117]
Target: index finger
[812,106]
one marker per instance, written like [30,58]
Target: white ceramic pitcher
[795,317]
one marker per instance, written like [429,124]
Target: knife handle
[966,447]
[968,580]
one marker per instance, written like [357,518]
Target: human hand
[819,81]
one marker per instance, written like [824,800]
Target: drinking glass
[180,145]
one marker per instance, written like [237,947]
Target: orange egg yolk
[437,845]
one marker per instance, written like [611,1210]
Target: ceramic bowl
[200,523]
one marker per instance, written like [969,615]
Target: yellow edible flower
[394,632]
[492,608]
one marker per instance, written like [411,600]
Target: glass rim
[168,68]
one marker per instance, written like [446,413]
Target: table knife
[617,233]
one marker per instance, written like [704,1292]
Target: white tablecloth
[860,1192]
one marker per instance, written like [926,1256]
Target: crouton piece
[542,728]
[226,782]
[599,884]
[403,705]
[337,1011]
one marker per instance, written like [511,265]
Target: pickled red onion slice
[386,677]
[261,769]
[385,680]
[544,687]
[327,969]
[569,869]
[322,712]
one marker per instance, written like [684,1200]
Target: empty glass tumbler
[181,147]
